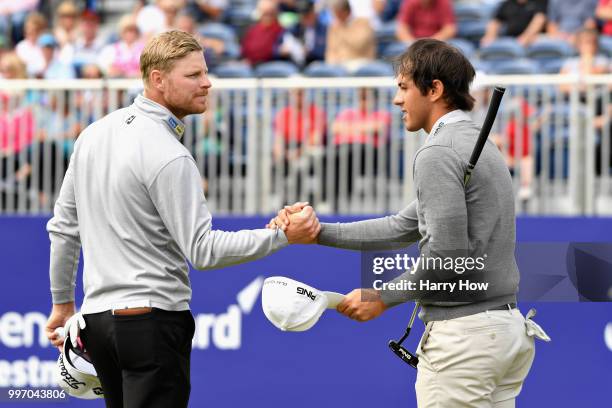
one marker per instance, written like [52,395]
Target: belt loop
[509,308]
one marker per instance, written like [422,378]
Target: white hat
[75,373]
[294,306]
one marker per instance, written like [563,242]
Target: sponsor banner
[240,359]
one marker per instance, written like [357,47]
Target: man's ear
[436,91]
[156,79]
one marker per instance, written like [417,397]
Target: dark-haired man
[475,351]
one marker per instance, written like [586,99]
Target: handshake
[299,222]
[301,226]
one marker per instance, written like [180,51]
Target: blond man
[132,199]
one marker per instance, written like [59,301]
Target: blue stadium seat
[502,49]
[549,54]
[549,48]
[469,12]
[374,69]
[385,35]
[219,31]
[472,31]
[394,49]
[276,69]
[466,47]
[551,66]
[240,16]
[605,45]
[234,70]
[513,67]
[386,32]
[319,69]
[232,50]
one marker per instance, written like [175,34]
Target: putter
[399,350]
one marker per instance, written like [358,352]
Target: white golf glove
[73,327]
[534,329]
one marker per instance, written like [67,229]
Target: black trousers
[141,360]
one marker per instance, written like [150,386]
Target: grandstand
[67,73]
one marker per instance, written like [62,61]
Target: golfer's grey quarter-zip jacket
[132,197]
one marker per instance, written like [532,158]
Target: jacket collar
[451,117]
[158,112]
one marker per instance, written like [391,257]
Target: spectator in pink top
[426,18]
[604,13]
[16,126]
[299,131]
[362,125]
[16,134]
[122,59]
[298,127]
[359,134]
[16,119]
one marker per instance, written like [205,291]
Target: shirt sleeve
[500,12]
[392,232]
[63,231]
[177,194]
[447,15]
[541,6]
[438,176]
[403,16]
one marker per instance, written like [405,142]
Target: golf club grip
[496,98]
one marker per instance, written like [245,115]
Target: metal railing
[338,143]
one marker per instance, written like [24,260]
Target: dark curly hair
[427,59]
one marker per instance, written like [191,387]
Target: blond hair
[163,50]
[11,63]
[127,20]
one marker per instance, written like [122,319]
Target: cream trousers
[477,361]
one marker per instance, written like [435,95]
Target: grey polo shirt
[449,220]
[132,198]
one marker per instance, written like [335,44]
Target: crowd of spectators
[62,40]
[69,40]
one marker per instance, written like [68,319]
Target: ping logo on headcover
[177,127]
[303,291]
